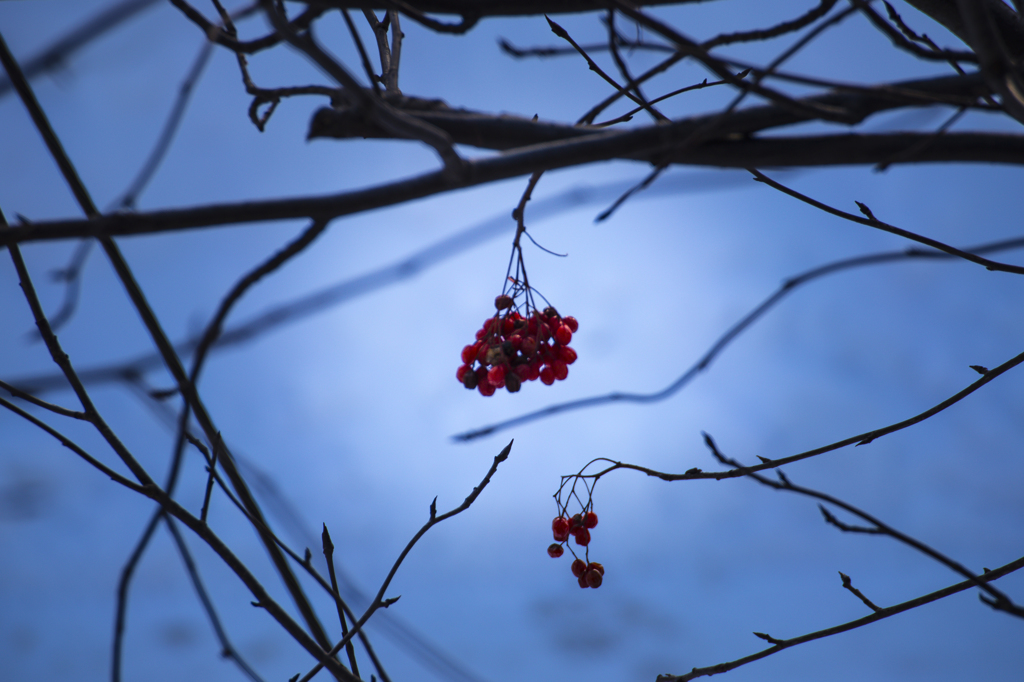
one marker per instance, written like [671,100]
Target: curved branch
[730,335]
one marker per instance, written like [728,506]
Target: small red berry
[469,353]
[496,374]
[544,332]
[547,375]
[563,334]
[582,580]
[576,522]
[561,369]
[461,372]
[560,526]
[555,550]
[486,388]
[590,520]
[579,567]
[529,346]
[502,302]
[582,536]
[567,355]
[571,323]
[593,578]
[594,566]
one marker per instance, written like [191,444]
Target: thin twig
[871,221]
[378,600]
[881,614]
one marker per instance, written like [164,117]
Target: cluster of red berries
[511,349]
[588,574]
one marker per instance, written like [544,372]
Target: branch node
[768,638]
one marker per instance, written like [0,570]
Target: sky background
[346,417]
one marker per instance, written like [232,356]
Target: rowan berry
[561,369]
[571,323]
[496,374]
[512,382]
[590,520]
[486,388]
[502,302]
[579,567]
[593,578]
[594,566]
[547,375]
[563,334]
[560,528]
[555,550]
[582,536]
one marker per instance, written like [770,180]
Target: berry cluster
[511,349]
[588,573]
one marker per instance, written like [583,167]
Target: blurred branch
[170,357]
[57,54]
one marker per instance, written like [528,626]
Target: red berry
[579,567]
[571,323]
[567,355]
[547,375]
[555,550]
[561,369]
[460,373]
[502,302]
[575,522]
[582,536]
[590,520]
[593,578]
[486,388]
[582,580]
[560,527]
[529,346]
[469,353]
[594,566]
[481,353]
[496,375]
[563,334]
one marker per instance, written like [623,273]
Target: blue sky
[350,412]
